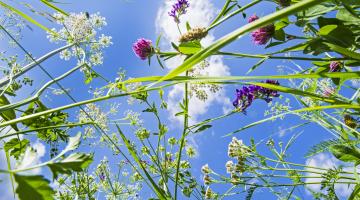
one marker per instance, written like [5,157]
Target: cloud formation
[200,14]
[327,161]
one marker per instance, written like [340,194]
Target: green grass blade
[158,191]
[25,16]
[308,109]
[52,6]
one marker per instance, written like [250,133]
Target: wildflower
[335,66]
[262,35]
[190,151]
[236,149]
[350,121]
[193,34]
[102,176]
[142,133]
[207,179]
[143,48]
[253,18]
[65,54]
[184,164]
[205,169]
[248,94]
[145,150]
[179,8]
[209,194]
[105,41]
[172,141]
[229,167]
[325,88]
[235,179]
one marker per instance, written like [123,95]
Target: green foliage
[53,119]
[33,187]
[75,162]
[16,147]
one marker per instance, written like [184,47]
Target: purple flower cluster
[246,95]
[335,66]
[178,9]
[143,48]
[262,35]
[253,18]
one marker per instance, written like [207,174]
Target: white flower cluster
[93,113]
[81,29]
[201,90]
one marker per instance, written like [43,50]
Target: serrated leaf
[191,47]
[345,153]
[16,146]
[33,187]
[8,114]
[75,162]
[73,144]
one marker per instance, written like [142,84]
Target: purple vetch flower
[262,35]
[102,176]
[143,48]
[253,18]
[246,95]
[335,66]
[179,8]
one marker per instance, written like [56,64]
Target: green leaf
[203,128]
[188,27]
[345,153]
[325,30]
[73,144]
[33,187]
[257,65]
[52,6]
[282,23]
[355,193]
[16,146]
[337,34]
[7,114]
[75,162]
[189,48]
[343,51]
[279,35]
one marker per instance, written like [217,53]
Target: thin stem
[233,14]
[182,141]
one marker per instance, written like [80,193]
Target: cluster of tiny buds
[206,169]
[193,34]
[237,149]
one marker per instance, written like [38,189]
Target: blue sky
[130,20]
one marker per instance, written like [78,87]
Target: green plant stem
[103,98]
[270,56]
[28,67]
[41,90]
[45,128]
[183,136]
[218,22]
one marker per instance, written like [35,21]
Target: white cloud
[200,14]
[327,161]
